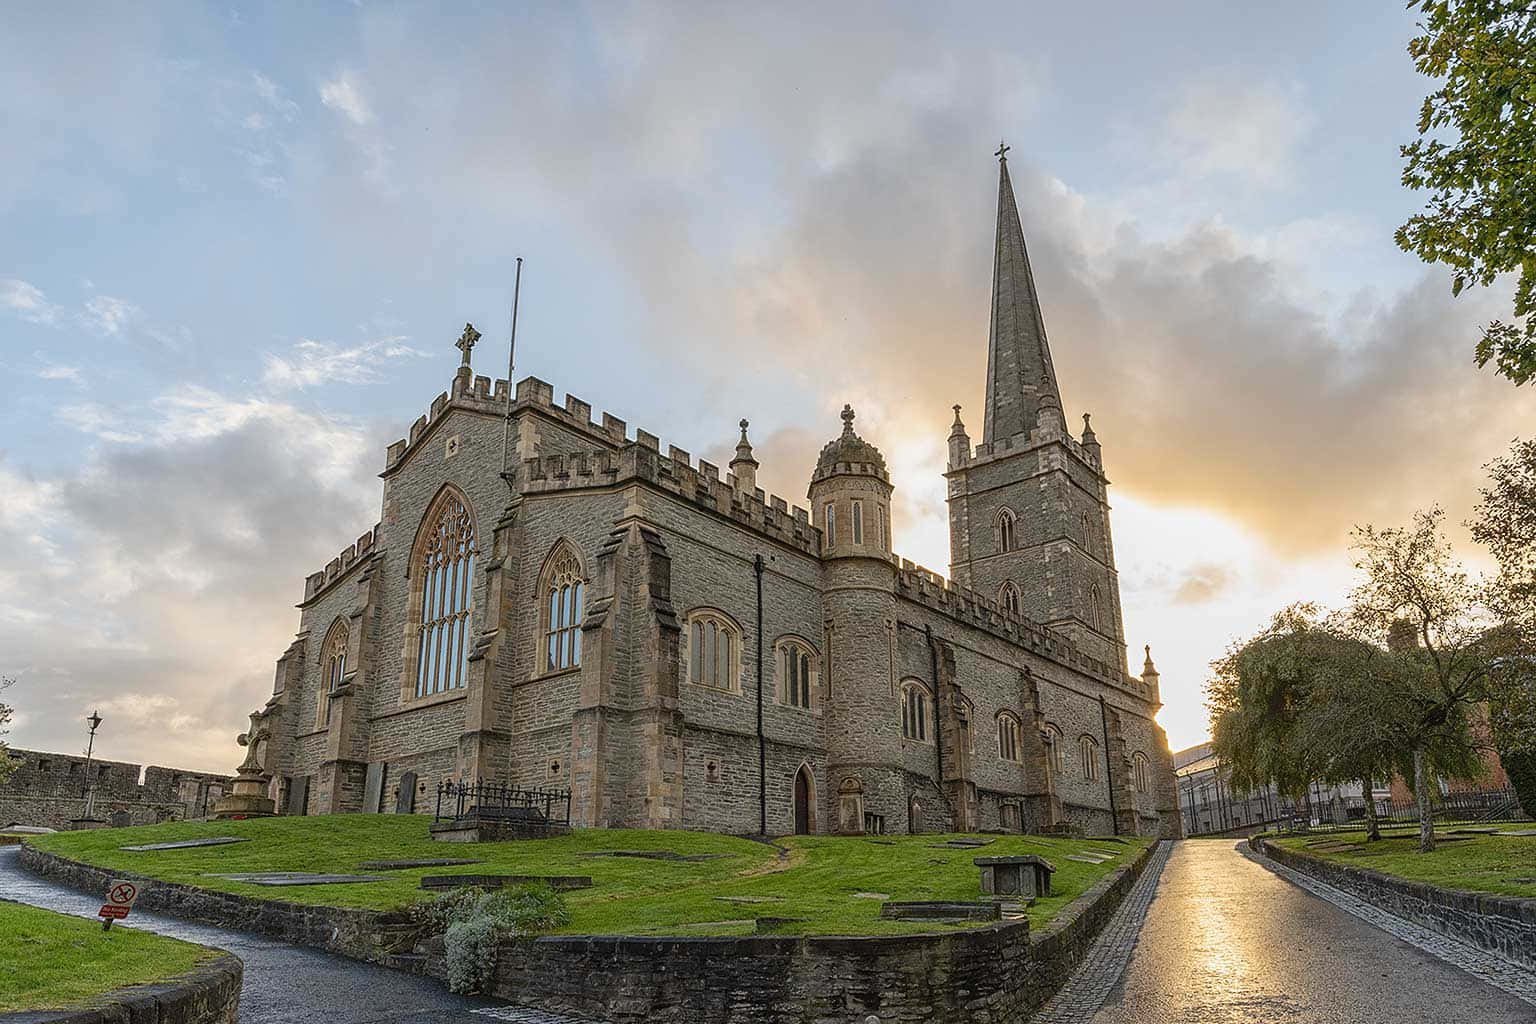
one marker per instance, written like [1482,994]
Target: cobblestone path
[283,984]
[1226,941]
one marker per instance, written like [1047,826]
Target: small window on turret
[830,521]
[885,530]
[858,522]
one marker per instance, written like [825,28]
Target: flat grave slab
[657,855]
[299,878]
[960,844]
[1086,858]
[1519,832]
[871,896]
[186,844]
[499,881]
[401,865]
[750,899]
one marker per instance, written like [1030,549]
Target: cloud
[106,315]
[344,94]
[55,371]
[1231,125]
[27,302]
[1202,583]
[316,363]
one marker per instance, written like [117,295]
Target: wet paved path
[1226,940]
[284,984]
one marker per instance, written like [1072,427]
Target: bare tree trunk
[1372,827]
[1421,792]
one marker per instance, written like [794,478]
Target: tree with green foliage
[1428,658]
[1476,155]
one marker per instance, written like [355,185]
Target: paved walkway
[283,984]
[1226,940]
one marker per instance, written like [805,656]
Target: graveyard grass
[815,879]
[54,961]
[1504,865]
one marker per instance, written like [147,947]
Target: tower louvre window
[446,569]
[858,522]
[1008,597]
[1095,611]
[1006,531]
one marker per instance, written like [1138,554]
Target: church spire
[1019,370]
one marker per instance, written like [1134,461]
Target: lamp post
[90,783]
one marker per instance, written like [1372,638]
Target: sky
[237,243]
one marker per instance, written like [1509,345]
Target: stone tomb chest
[1021,877]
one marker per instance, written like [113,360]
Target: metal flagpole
[506,427]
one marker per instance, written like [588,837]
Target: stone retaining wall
[985,975]
[359,934]
[1505,925]
[209,994]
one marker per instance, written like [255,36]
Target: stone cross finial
[847,417]
[467,341]
[1002,150]
[744,431]
[957,414]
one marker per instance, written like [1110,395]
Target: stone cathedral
[675,648]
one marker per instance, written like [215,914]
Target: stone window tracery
[1008,597]
[1007,524]
[1008,732]
[1140,772]
[445,570]
[713,643]
[1055,750]
[914,711]
[797,670]
[563,595]
[1095,613]
[1088,751]
[333,668]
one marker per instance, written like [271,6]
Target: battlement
[338,566]
[675,473]
[1005,446]
[964,605]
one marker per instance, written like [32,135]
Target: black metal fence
[1469,807]
[500,802]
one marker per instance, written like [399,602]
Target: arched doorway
[805,802]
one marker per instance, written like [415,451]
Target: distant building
[50,790]
[1211,805]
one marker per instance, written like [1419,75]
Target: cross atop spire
[847,419]
[467,341]
[1002,151]
[1020,377]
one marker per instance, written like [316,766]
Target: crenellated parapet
[962,604]
[316,583]
[675,473]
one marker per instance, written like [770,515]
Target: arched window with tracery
[445,574]
[914,711]
[797,670]
[562,591]
[1088,751]
[1007,525]
[1140,772]
[333,668]
[1008,732]
[1055,749]
[1008,597]
[713,646]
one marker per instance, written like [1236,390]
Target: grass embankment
[52,961]
[816,879]
[1505,865]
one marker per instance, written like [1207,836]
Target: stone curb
[208,994]
[1502,925]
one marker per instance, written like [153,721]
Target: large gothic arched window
[563,591]
[445,571]
[333,668]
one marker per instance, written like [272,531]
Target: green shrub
[471,922]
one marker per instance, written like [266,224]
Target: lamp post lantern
[90,783]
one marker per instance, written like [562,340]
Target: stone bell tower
[1029,506]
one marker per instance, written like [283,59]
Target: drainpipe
[1109,775]
[762,746]
[938,736]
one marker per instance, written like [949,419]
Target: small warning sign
[120,896]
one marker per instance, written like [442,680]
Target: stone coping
[1502,925]
[207,994]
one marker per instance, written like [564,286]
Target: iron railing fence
[499,801]
[1343,814]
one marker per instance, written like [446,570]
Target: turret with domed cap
[850,495]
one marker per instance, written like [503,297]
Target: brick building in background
[583,610]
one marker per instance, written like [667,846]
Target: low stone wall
[360,934]
[985,975]
[1505,925]
[209,994]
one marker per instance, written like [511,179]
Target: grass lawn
[816,880]
[1498,864]
[53,961]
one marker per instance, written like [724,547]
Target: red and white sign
[120,896]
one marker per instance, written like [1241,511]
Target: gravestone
[373,788]
[1025,876]
[405,802]
[298,796]
[121,819]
